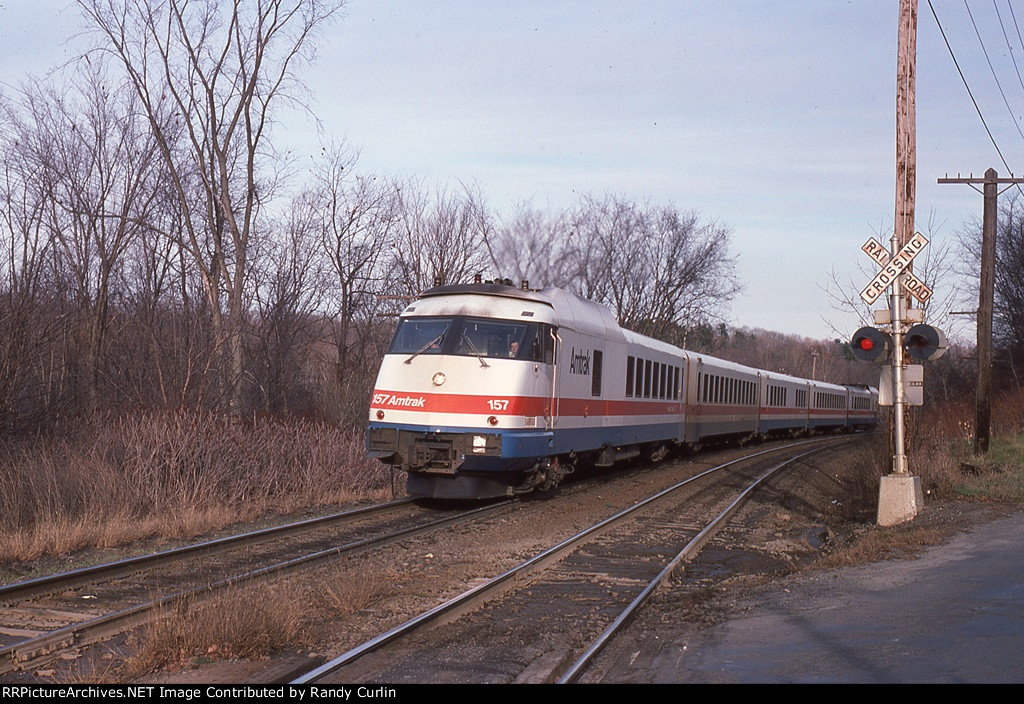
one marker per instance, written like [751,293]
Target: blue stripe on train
[524,444]
[521,446]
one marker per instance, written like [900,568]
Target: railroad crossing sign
[893,267]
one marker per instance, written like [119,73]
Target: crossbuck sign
[892,268]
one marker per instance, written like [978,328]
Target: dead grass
[245,622]
[940,441]
[253,621]
[114,481]
[877,543]
[941,451]
[344,594]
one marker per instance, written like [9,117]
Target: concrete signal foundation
[899,499]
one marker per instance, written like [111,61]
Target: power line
[970,92]
[993,69]
[1013,15]
[1007,38]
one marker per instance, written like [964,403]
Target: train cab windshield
[474,337]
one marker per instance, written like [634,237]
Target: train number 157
[498,404]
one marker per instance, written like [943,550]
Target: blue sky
[773,118]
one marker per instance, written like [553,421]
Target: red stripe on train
[540,406]
[516,405]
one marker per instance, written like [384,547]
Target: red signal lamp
[871,345]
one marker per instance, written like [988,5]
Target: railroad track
[548,617]
[43,617]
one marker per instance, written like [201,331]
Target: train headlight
[438,379]
[493,420]
[479,444]
[380,415]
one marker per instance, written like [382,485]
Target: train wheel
[658,454]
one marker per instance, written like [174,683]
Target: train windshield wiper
[477,352]
[435,341]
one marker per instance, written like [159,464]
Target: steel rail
[688,552]
[27,589]
[468,599]
[12,657]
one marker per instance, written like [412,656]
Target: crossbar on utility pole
[986,297]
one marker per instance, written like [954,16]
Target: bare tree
[209,75]
[535,246]
[661,271]
[1008,308]
[32,370]
[166,338]
[936,266]
[442,237]
[358,218]
[96,165]
[291,281]
[1009,281]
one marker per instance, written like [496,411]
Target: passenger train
[490,390]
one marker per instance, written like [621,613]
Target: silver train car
[488,390]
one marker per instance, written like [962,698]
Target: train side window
[639,377]
[595,379]
[547,352]
[656,368]
[630,361]
[647,378]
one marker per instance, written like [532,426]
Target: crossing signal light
[925,343]
[871,345]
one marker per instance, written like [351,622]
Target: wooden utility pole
[899,495]
[906,189]
[986,295]
[986,299]
[906,123]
